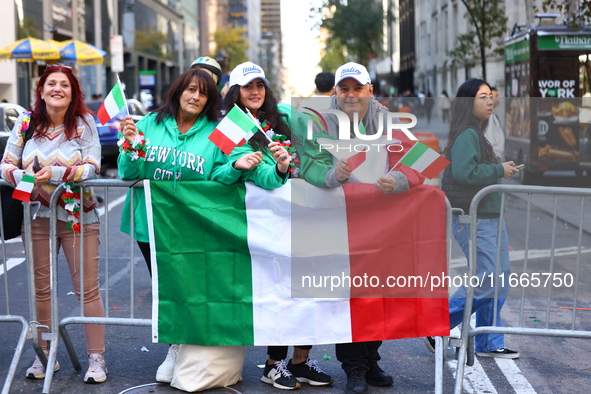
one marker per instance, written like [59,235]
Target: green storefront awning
[564,42]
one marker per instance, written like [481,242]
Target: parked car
[108,133]
[9,113]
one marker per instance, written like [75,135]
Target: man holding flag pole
[352,95]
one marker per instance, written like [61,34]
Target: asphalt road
[547,365]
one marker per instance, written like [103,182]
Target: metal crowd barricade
[55,335]
[8,317]
[59,327]
[466,349]
[441,342]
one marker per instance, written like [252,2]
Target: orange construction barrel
[428,139]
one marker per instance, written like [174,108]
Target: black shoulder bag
[12,210]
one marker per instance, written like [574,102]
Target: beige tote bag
[205,367]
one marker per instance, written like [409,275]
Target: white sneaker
[97,369]
[165,370]
[36,371]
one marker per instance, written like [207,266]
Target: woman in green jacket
[176,148]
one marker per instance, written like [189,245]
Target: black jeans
[355,355]
[280,352]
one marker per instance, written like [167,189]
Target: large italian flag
[239,265]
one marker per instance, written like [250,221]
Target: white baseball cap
[243,73]
[352,70]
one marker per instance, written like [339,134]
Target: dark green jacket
[468,170]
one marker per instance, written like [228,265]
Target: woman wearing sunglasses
[64,147]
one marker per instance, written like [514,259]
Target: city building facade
[8,69]
[247,14]
[437,26]
[271,49]
[157,37]
[407,48]
[215,15]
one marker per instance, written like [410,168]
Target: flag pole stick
[398,162]
[392,169]
[257,124]
[259,127]
[123,93]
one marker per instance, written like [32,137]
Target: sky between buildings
[301,49]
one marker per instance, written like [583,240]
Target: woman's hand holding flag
[281,156]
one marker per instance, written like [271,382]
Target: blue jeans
[483,303]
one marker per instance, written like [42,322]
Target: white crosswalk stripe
[16,261]
[477,381]
[515,376]
[11,263]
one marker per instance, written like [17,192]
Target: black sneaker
[356,381]
[278,375]
[376,375]
[501,353]
[310,373]
[430,344]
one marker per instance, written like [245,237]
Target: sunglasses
[56,66]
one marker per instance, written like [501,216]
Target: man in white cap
[353,93]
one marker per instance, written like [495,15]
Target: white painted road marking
[14,262]
[517,255]
[515,376]
[476,380]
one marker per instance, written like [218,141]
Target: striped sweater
[73,160]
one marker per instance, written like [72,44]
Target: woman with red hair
[65,134]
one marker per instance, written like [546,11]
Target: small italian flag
[357,159]
[112,105]
[234,130]
[24,188]
[425,160]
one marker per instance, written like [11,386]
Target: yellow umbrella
[81,53]
[29,50]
